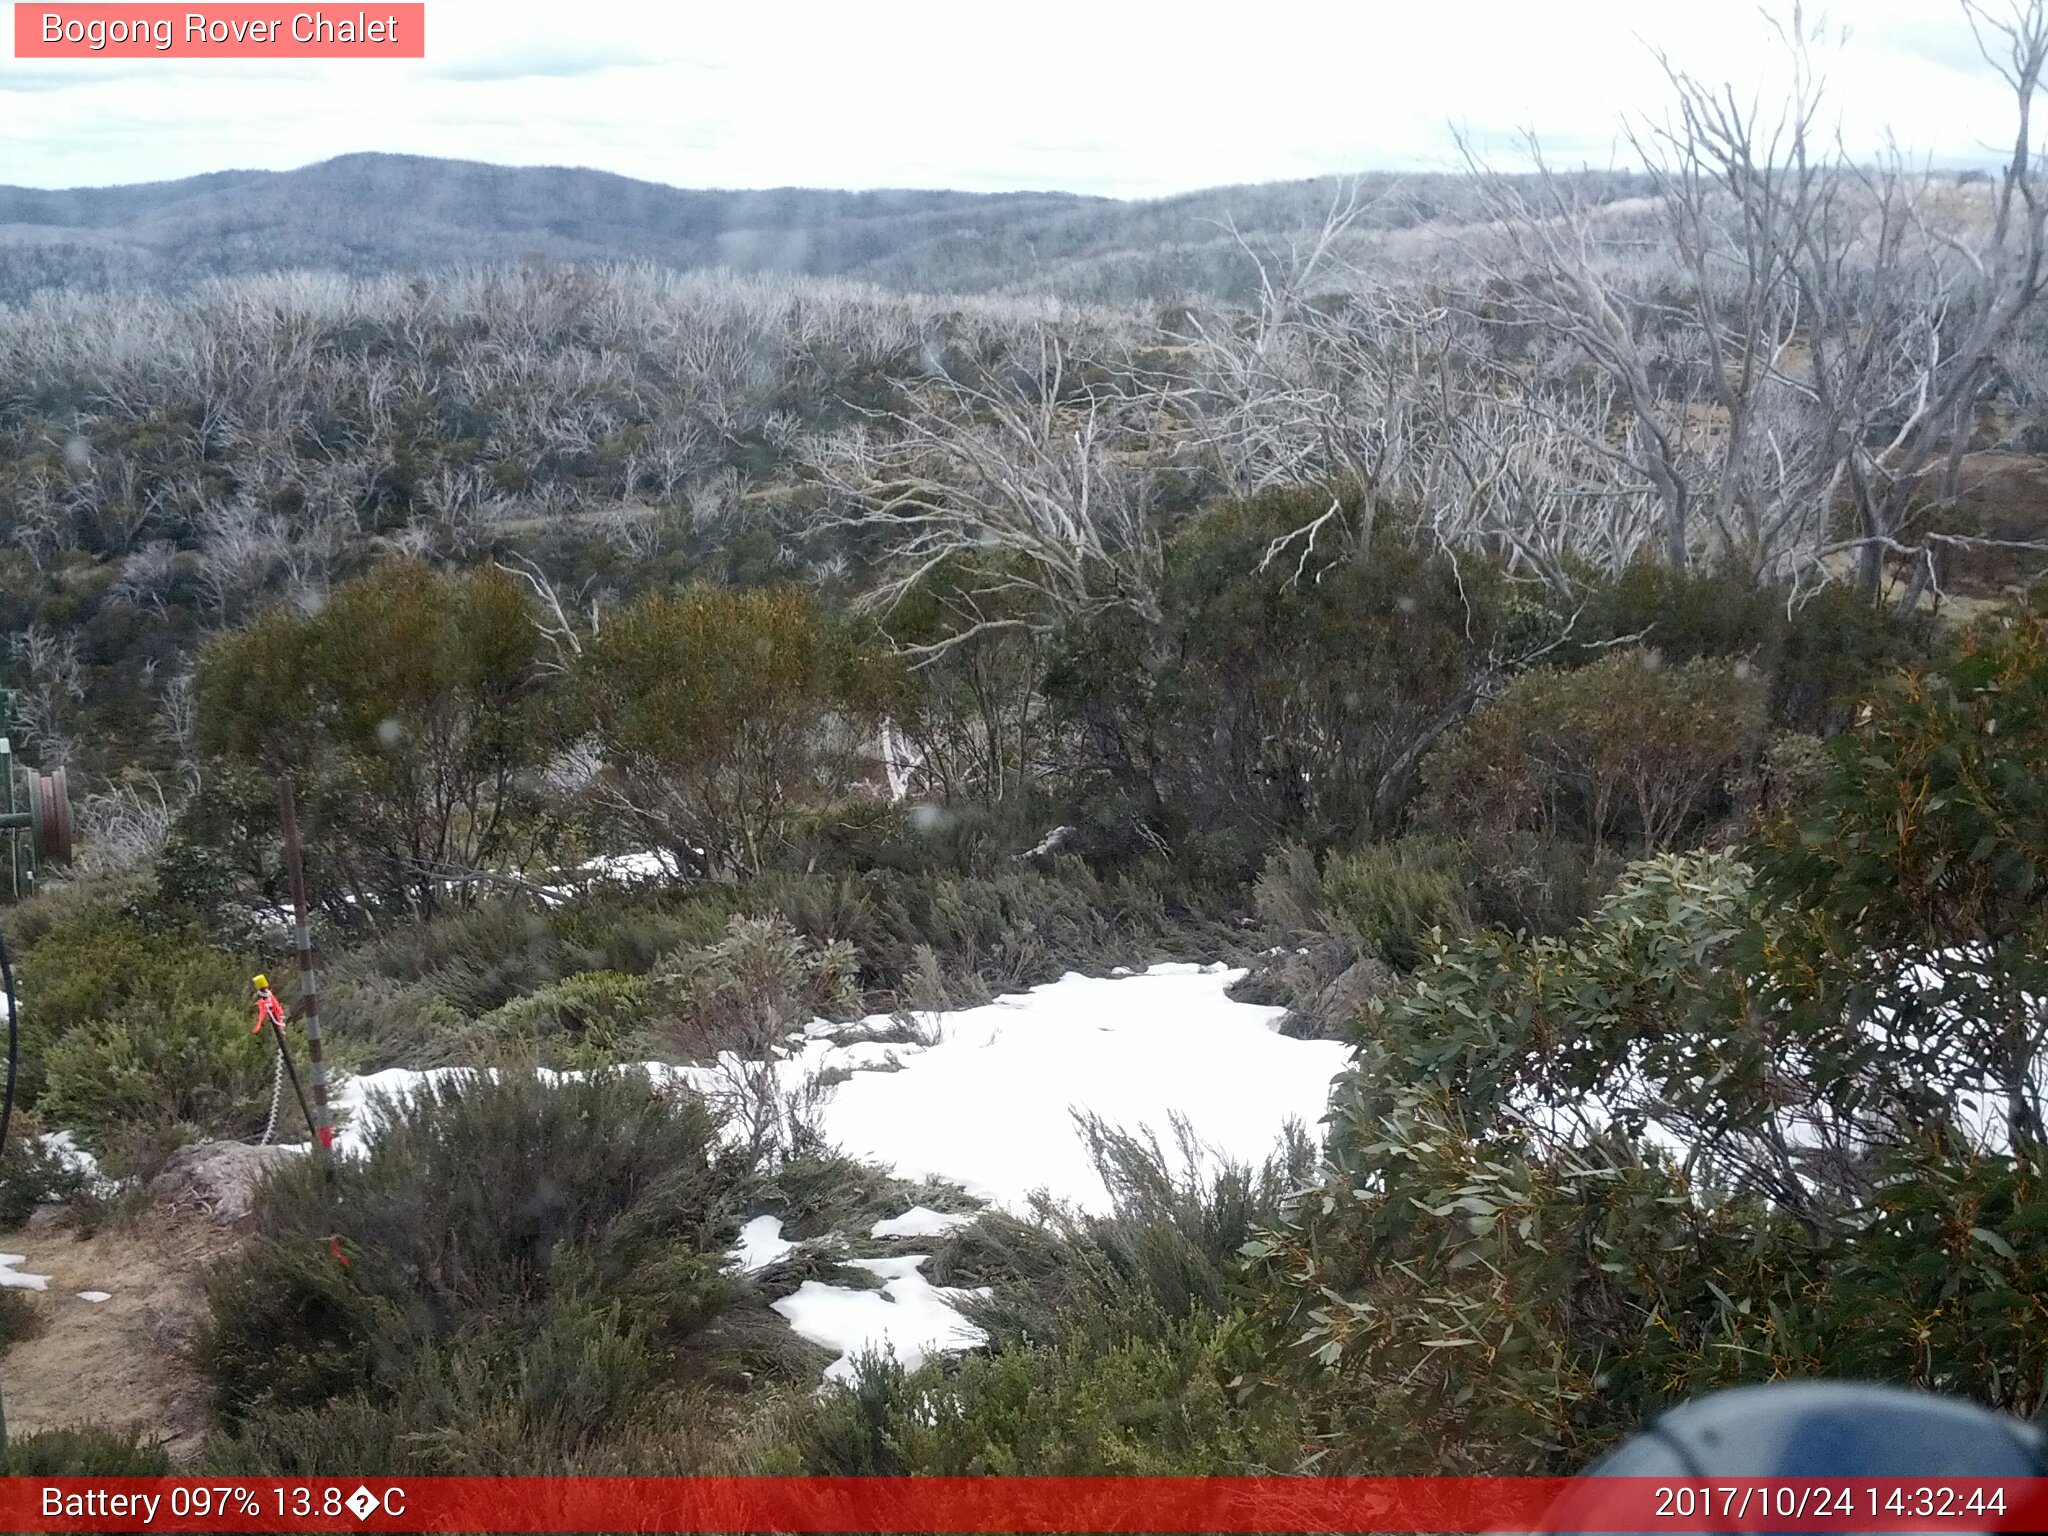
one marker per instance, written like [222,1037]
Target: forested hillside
[1573,642]
[371,215]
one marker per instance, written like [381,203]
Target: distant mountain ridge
[368,214]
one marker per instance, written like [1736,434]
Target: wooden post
[302,939]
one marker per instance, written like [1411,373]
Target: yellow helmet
[262,983]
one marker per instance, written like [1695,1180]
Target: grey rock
[218,1177]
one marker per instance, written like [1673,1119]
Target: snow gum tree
[726,717]
[411,711]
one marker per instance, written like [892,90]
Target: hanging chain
[276,1097]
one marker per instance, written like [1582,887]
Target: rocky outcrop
[218,1177]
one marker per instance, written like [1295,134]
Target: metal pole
[13,841]
[302,939]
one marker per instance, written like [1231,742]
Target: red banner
[376,30]
[1047,1504]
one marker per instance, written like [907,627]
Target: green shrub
[749,990]
[585,1021]
[83,1450]
[1820,653]
[20,1318]
[141,1032]
[1627,752]
[1287,681]
[32,1174]
[1914,886]
[1288,895]
[1150,1406]
[507,1239]
[1502,1268]
[476,959]
[820,1192]
[1451,1286]
[632,930]
[414,713]
[1794,768]
[1387,897]
[97,962]
[997,933]
[78,898]
[726,716]
[1530,883]
[372,1022]
[1118,1340]
[153,1064]
[1168,1249]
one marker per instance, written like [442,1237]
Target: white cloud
[1132,99]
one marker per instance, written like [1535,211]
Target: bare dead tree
[1032,492]
[1818,333]
[53,680]
[1902,376]
[565,643]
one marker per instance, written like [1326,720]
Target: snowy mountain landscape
[1370,824]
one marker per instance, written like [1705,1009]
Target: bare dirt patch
[124,1361]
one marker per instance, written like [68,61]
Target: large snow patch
[991,1105]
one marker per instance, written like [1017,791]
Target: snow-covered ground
[919,1221]
[14,1278]
[908,1317]
[987,1099]
[990,1102]
[761,1244]
[990,1106]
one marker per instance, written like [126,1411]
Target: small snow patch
[642,864]
[95,1296]
[761,1244]
[919,1221]
[70,1155]
[908,1317]
[10,1276]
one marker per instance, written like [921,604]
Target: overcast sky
[1123,97]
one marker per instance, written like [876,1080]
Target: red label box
[112,30]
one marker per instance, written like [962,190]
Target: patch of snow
[10,1276]
[95,1296]
[641,864]
[908,1317]
[71,1155]
[1051,843]
[991,1104]
[919,1221]
[761,1244]
[870,1055]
